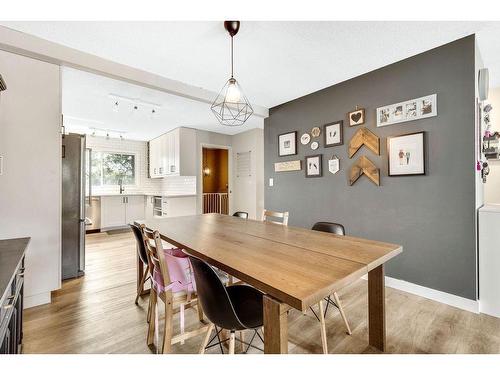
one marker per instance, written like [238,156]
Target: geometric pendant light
[231,106]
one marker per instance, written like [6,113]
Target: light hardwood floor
[97,314]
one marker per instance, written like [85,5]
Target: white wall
[30,187]
[492,186]
[248,191]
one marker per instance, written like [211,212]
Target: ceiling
[275,62]
[87,105]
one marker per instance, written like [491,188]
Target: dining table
[294,267]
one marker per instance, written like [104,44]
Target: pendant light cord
[231,57]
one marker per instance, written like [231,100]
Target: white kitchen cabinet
[112,211]
[134,208]
[179,206]
[118,211]
[173,154]
[155,158]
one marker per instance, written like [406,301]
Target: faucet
[122,189]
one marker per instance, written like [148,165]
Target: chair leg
[167,333]
[231,343]
[207,337]
[242,340]
[342,314]
[182,321]
[152,312]
[323,327]
[148,316]
[200,311]
[141,285]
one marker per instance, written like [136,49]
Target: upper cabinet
[173,154]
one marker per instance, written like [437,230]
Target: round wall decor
[314,145]
[316,131]
[305,138]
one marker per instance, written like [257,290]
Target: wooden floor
[97,314]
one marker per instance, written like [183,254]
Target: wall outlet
[271,182]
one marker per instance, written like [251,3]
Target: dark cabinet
[11,314]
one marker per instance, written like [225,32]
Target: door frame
[229,174]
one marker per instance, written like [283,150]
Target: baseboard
[432,294]
[36,300]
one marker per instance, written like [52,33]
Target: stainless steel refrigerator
[73,205]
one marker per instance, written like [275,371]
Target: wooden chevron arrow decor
[364,137]
[364,166]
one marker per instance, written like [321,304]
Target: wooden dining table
[294,267]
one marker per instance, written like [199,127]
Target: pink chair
[173,282]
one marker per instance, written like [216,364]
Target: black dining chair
[338,229]
[241,214]
[143,257]
[233,308]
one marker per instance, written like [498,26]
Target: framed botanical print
[287,144]
[406,154]
[313,166]
[333,134]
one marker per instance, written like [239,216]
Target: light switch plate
[271,182]
[1,165]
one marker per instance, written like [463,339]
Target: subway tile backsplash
[175,185]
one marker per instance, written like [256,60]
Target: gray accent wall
[431,216]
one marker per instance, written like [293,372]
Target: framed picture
[287,144]
[406,154]
[356,117]
[333,134]
[313,166]
[414,109]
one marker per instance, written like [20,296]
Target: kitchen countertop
[146,194]
[11,252]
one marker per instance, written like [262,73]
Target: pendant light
[231,107]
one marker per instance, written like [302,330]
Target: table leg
[376,308]
[276,326]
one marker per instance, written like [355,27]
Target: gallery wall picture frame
[410,110]
[356,117]
[314,166]
[406,154]
[333,133]
[287,144]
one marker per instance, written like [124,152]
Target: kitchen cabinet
[173,154]
[134,208]
[11,294]
[120,210]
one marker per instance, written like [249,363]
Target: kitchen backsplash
[175,185]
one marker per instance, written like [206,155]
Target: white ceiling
[86,104]
[275,62]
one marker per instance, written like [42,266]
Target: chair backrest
[213,296]
[325,226]
[280,215]
[141,245]
[171,268]
[242,214]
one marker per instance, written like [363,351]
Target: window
[109,168]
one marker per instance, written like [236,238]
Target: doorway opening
[215,177]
